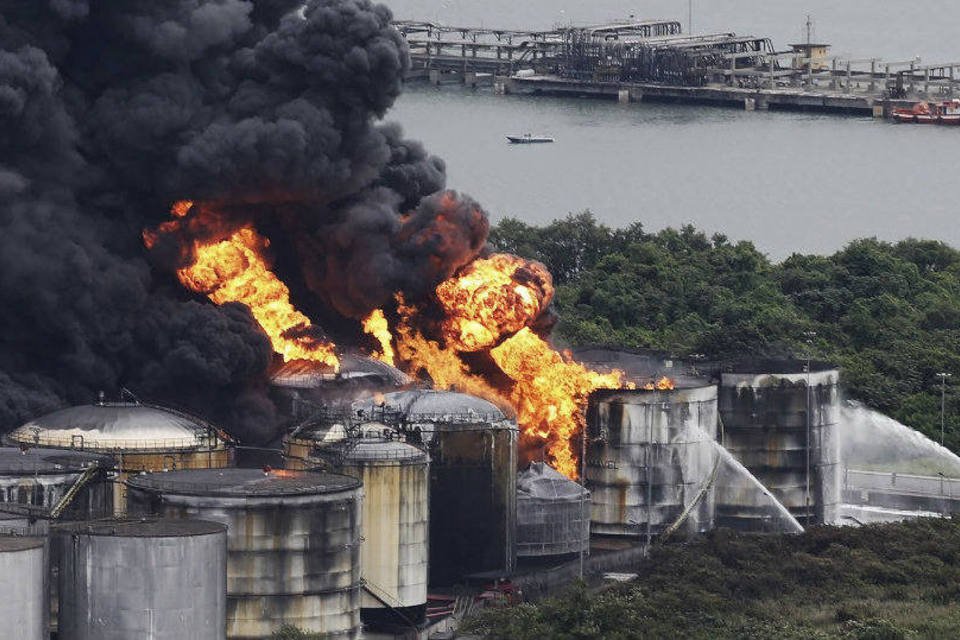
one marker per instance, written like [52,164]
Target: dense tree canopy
[888,313]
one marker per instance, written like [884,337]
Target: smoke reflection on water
[875,442]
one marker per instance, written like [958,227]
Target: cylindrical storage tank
[650,458]
[473,479]
[293,543]
[396,515]
[37,481]
[553,514]
[23,594]
[156,579]
[780,422]
[138,437]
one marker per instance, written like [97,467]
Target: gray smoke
[110,111]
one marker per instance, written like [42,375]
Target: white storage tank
[650,459]
[150,579]
[139,437]
[293,543]
[396,516]
[23,594]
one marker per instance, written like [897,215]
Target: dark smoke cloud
[265,111]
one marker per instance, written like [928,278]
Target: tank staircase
[61,506]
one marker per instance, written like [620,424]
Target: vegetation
[880,582]
[888,314]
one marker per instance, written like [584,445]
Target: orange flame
[235,270]
[663,384]
[549,393]
[376,325]
[492,298]
[495,300]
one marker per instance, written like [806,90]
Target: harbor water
[787,181]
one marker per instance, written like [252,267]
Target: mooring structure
[640,60]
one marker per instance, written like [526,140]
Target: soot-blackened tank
[293,543]
[473,479]
[650,459]
[156,579]
[46,483]
[23,594]
[780,422]
[396,517]
[139,437]
[553,514]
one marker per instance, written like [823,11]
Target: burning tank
[139,437]
[553,514]
[650,460]
[293,543]
[473,478]
[299,386]
[49,483]
[396,501]
[157,579]
[780,421]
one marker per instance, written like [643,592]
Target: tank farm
[337,408]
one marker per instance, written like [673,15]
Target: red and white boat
[946,112]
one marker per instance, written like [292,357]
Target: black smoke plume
[268,111]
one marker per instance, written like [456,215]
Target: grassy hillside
[881,582]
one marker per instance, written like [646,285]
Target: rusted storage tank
[649,460]
[396,499]
[553,514]
[780,422]
[157,579]
[23,594]
[138,437]
[473,478]
[39,482]
[293,543]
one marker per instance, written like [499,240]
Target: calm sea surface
[789,182]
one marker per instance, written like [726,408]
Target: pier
[651,60]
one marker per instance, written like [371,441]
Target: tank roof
[15,461]
[543,482]
[304,374]
[777,366]
[144,528]
[238,483]
[375,449]
[12,544]
[428,405]
[117,426]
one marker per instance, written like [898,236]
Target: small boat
[528,138]
[946,112]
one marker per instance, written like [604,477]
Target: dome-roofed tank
[553,513]
[293,543]
[473,477]
[649,459]
[40,482]
[396,482]
[780,420]
[143,578]
[139,437]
